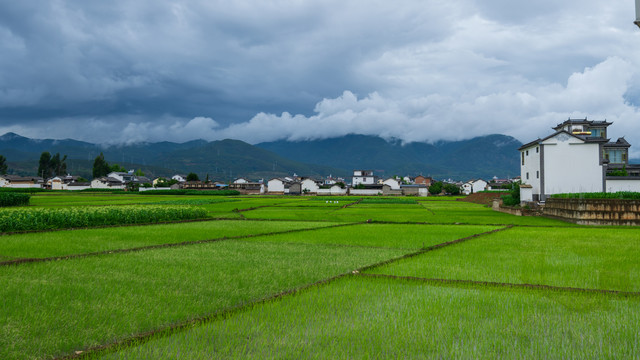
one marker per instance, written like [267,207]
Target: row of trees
[52,165]
[437,187]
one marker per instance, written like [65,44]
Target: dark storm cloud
[258,71]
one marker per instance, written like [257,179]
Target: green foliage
[621,172]
[49,166]
[43,165]
[63,218]
[138,172]
[23,190]
[435,188]
[513,198]
[3,165]
[163,182]
[117,168]
[100,167]
[451,189]
[628,195]
[13,199]
[191,192]
[192,177]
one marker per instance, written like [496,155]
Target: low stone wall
[594,211]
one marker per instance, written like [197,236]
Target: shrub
[13,199]
[435,188]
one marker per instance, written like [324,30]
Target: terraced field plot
[307,277]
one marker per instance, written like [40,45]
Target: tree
[451,189]
[435,188]
[3,165]
[100,167]
[117,168]
[58,166]
[139,173]
[193,177]
[44,165]
[52,165]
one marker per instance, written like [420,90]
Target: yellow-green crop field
[120,276]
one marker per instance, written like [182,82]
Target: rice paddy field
[312,277]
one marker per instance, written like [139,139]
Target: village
[363,183]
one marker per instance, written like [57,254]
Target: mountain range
[480,157]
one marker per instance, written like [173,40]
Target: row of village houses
[363,182]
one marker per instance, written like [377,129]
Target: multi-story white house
[574,159]
[364,177]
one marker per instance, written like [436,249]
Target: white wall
[526,194]
[334,190]
[623,185]
[275,186]
[571,166]
[393,183]
[364,192]
[309,185]
[532,167]
[479,185]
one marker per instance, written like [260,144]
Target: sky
[159,70]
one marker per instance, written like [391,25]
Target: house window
[522,158]
[527,152]
[537,174]
[527,176]
[615,156]
[537,149]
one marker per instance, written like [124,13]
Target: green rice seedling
[592,258]
[53,309]
[365,318]
[73,242]
[405,236]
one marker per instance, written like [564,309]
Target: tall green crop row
[13,199]
[62,218]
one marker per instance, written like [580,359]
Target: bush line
[50,219]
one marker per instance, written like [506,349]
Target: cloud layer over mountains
[123,71]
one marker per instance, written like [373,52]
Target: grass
[215,291]
[364,318]
[70,242]
[52,309]
[594,258]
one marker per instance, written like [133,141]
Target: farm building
[577,157]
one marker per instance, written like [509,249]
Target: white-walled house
[107,182]
[574,159]
[393,183]
[364,177]
[16,181]
[179,178]
[275,186]
[474,186]
[309,186]
[240,181]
